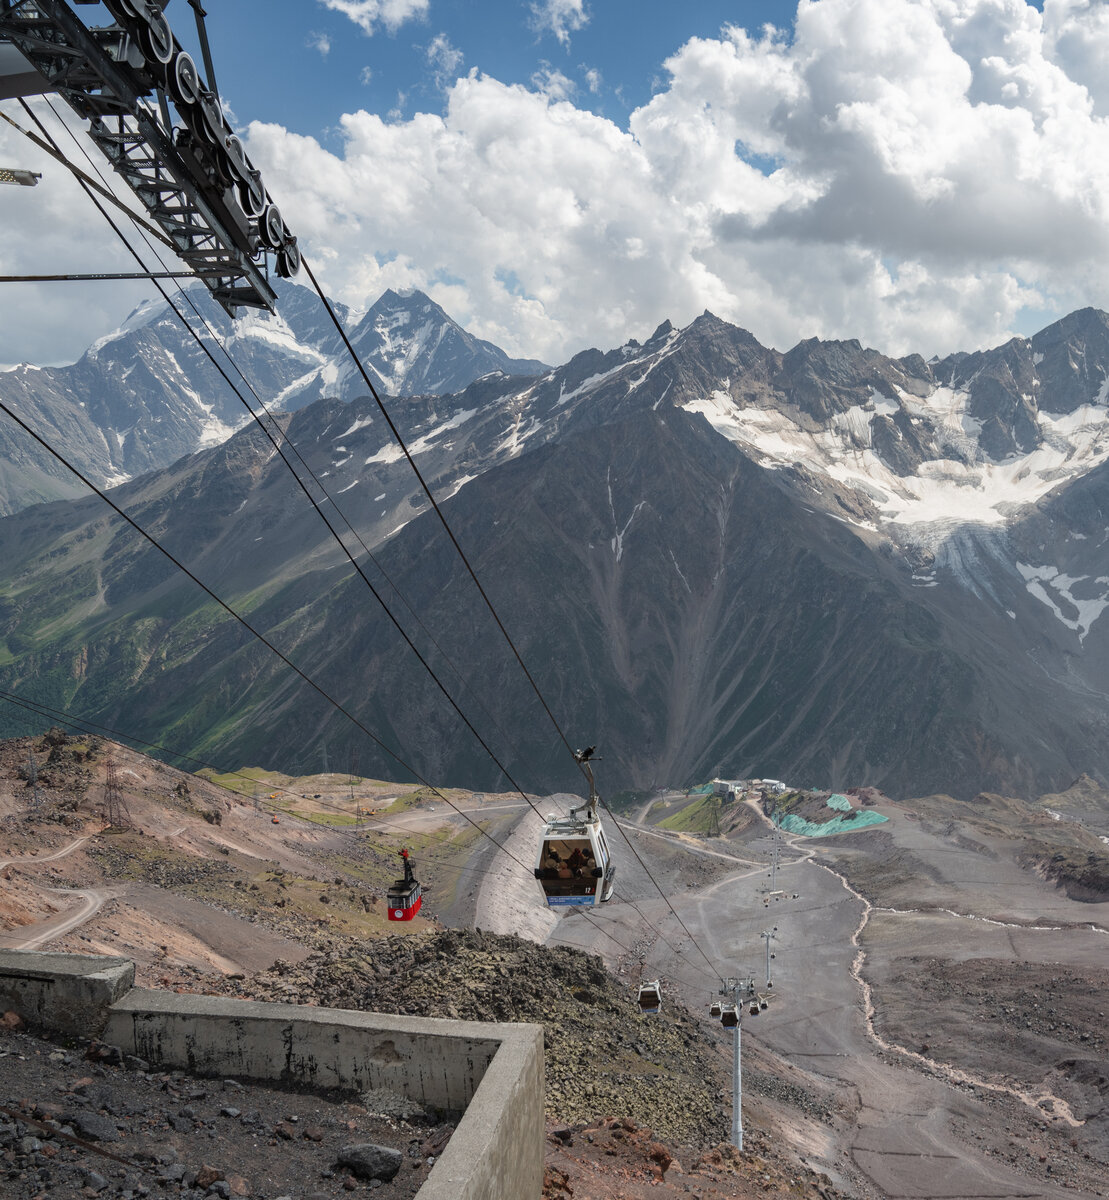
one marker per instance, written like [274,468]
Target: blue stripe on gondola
[569,900]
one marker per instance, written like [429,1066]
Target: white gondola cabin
[729,1016]
[650,996]
[715,1008]
[573,864]
[405,896]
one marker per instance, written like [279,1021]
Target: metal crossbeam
[182,180]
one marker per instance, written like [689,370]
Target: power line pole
[115,807]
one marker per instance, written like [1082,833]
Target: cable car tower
[573,864]
[190,173]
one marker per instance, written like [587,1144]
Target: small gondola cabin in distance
[405,896]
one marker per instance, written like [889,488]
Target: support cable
[473,575]
[86,725]
[281,433]
[338,325]
[323,516]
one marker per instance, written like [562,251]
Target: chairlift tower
[190,172]
[767,936]
[740,991]
[116,814]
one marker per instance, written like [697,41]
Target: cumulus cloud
[444,59]
[320,42]
[921,174]
[560,17]
[551,82]
[368,14]
[924,175]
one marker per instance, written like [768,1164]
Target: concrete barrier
[66,994]
[491,1074]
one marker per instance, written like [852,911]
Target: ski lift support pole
[738,989]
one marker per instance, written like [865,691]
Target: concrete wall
[67,994]
[491,1073]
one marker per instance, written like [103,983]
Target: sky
[923,175]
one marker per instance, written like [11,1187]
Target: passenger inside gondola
[565,865]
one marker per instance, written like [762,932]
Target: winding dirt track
[903,1139]
[32,937]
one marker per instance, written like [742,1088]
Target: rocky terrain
[662,1071]
[81,1122]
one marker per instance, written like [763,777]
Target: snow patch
[1041,582]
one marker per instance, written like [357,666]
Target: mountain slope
[147,394]
[715,558]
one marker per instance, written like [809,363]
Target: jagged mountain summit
[826,566]
[145,395]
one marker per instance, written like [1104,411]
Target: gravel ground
[602,1055]
[82,1122]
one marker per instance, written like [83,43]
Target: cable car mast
[192,175]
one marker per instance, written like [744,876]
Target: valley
[934,1027]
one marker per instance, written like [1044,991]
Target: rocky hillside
[602,1054]
[822,566]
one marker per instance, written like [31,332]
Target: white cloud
[54,228]
[593,80]
[368,14]
[551,82]
[365,76]
[320,42]
[917,173]
[444,59]
[924,175]
[560,17]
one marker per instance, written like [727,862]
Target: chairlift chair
[650,996]
[405,896]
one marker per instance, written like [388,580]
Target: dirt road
[912,1126]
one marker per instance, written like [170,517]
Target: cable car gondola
[405,896]
[715,1009]
[729,1016]
[650,996]
[573,864]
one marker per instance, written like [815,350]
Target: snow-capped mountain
[826,565]
[146,394]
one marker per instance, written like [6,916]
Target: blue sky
[924,175]
[303,65]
